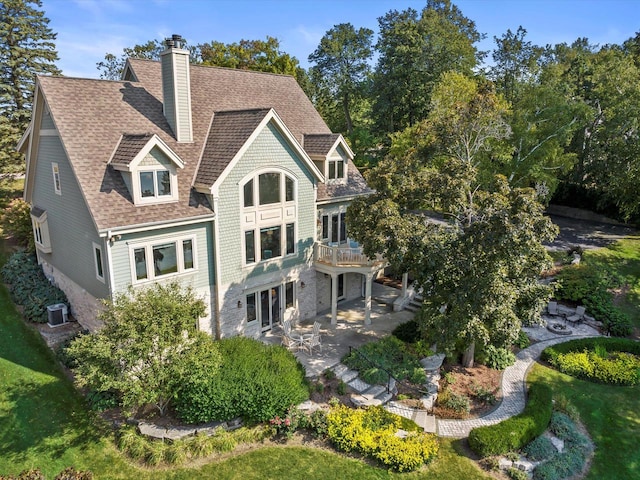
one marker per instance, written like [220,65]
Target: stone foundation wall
[233,318]
[82,305]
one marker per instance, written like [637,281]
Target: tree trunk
[347,115]
[467,357]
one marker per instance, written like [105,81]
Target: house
[225,180]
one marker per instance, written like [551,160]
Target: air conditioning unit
[57,314]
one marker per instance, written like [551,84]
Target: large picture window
[267,198]
[163,258]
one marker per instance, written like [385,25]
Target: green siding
[47,122]
[202,277]
[70,225]
[270,149]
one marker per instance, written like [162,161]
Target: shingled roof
[99,120]
[229,132]
[320,144]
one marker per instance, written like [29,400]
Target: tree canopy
[149,343]
[472,243]
[27,49]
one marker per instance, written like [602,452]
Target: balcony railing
[342,255]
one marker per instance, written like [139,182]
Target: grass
[44,423]
[622,259]
[611,417]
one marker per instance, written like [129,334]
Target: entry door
[270,307]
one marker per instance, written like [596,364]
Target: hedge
[514,433]
[613,361]
[255,381]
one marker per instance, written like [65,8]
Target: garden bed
[480,384]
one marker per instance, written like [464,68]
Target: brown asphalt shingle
[319,144]
[98,119]
[129,146]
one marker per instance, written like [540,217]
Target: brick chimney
[176,88]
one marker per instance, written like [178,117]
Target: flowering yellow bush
[372,432]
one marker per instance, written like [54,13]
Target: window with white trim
[41,236]
[336,168]
[98,261]
[162,258]
[56,178]
[269,216]
[334,227]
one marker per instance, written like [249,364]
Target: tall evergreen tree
[27,48]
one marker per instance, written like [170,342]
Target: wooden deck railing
[342,255]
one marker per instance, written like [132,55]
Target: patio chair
[291,343]
[552,309]
[312,340]
[577,317]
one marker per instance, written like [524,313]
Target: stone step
[376,390]
[412,307]
[429,401]
[339,369]
[385,397]
[359,385]
[349,376]
[365,400]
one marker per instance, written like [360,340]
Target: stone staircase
[415,304]
[367,395]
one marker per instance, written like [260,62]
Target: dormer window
[155,183]
[149,168]
[336,169]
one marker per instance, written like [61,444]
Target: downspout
[109,239]
[216,261]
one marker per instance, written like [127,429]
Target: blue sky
[87,29]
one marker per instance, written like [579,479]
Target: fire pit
[559,328]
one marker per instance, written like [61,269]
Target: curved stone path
[513,390]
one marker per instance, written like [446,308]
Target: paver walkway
[513,385]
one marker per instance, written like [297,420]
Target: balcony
[344,256]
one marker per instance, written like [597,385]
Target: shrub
[408,332]
[523,340]
[483,394]
[540,449]
[256,381]
[457,403]
[373,360]
[497,358]
[516,432]
[16,222]
[371,432]
[287,425]
[29,286]
[516,474]
[591,287]
[587,359]
[317,423]
[68,473]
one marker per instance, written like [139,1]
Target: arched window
[269,216]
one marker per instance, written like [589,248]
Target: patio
[349,331]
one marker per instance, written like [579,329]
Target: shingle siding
[268,150]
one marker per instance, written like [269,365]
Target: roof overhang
[154,141]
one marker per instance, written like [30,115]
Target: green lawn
[44,424]
[611,416]
[622,259]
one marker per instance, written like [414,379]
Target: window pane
[146,184]
[332,169]
[340,169]
[99,262]
[291,238]
[269,188]
[334,228]
[343,228]
[289,195]
[264,308]
[187,253]
[165,260]
[141,263]
[325,226]
[249,247]
[248,194]
[164,183]
[270,242]
[252,314]
[288,293]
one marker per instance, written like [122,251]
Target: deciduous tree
[148,345]
[478,260]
